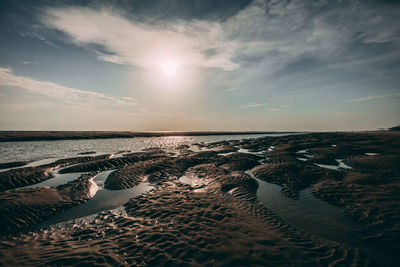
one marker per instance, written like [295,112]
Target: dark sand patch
[385,167]
[87,153]
[12,164]
[239,161]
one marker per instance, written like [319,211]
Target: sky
[181,65]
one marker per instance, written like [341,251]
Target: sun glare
[169,67]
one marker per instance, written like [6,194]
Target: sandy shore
[216,219]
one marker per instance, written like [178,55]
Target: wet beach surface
[313,199]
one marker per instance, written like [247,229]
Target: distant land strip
[14,136]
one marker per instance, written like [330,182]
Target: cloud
[111,58]
[286,36]
[253,105]
[37,36]
[62,93]
[372,97]
[28,62]
[195,43]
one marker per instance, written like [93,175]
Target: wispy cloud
[62,93]
[272,109]
[37,36]
[372,97]
[28,62]
[253,105]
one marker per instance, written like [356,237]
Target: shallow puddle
[103,200]
[339,167]
[245,150]
[309,214]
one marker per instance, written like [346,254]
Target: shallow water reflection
[309,214]
[58,179]
[103,200]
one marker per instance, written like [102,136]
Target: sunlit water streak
[341,166]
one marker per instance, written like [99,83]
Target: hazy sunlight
[169,67]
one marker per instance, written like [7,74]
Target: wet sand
[204,209]
[23,208]
[20,177]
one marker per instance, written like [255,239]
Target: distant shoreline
[17,136]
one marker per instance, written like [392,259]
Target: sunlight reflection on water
[39,150]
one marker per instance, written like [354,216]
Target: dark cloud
[183,9]
[145,9]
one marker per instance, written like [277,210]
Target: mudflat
[204,208]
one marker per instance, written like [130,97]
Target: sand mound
[22,208]
[15,178]
[382,165]
[157,170]
[293,177]
[225,149]
[112,163]
[239,161]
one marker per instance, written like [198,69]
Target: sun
[169,67]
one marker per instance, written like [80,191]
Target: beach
[208,203]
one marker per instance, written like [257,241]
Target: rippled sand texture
[175,225]
[217,219]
